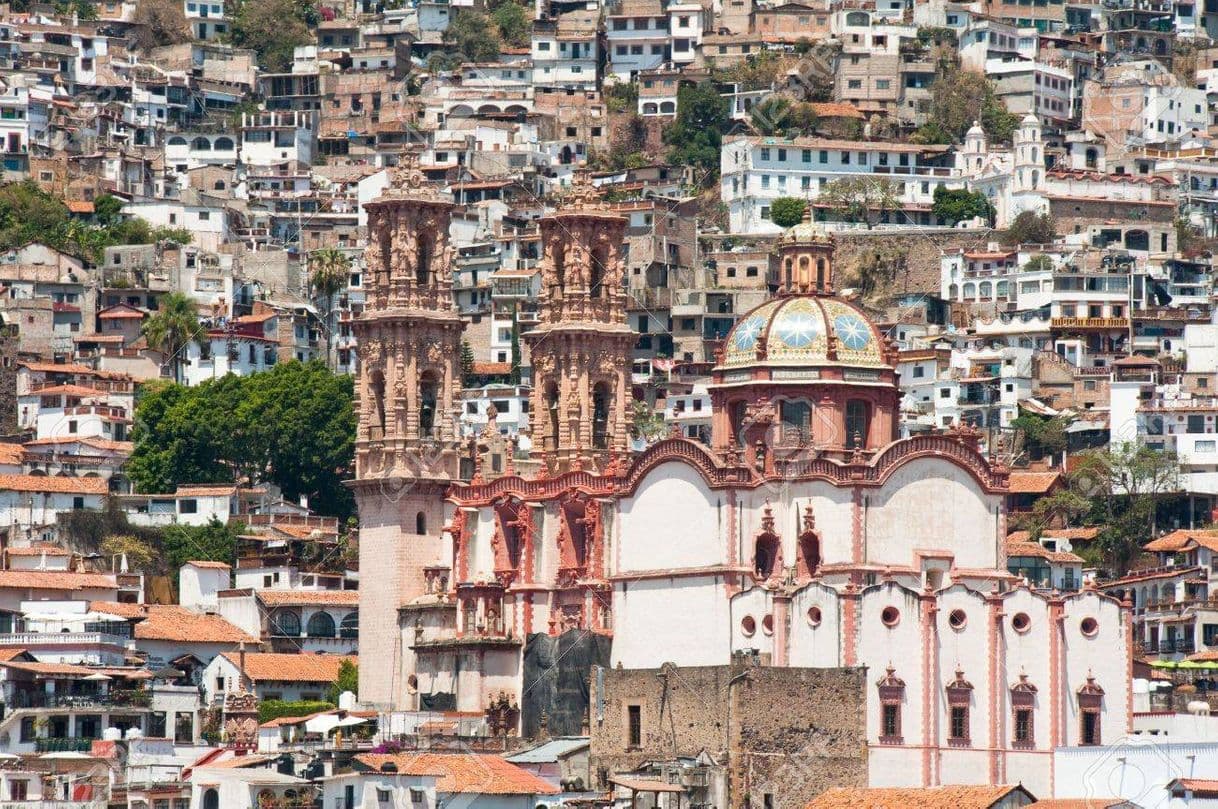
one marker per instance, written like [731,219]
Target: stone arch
[321,625]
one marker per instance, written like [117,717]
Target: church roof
[795,331]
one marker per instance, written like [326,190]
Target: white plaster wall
[758,604]
[831,507]
[818,646]
[900,646]
[1027,652]
[673,520]
[1103,656]
[931,504]
[680,620]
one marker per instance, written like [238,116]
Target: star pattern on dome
[852,331]
[747,333]
[797,330]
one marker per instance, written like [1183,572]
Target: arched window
[428,390]
[736,416]
[223,144]
[551,436]
[177,140]
[1092,158]
[321,625]
[858,422]
[600,415]
[560,269]
[970,291]
[211,799]
[765,556]
[420,523]
[201,145]
[422,270]
[218,185]
[376,388]
[349,628]
[985,290]
[667,108]
[600,264]
[796,418]
[820,274]
[285,624]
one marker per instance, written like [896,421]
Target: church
[807,534]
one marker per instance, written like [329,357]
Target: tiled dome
[794,332]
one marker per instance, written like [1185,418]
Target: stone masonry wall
[792,732]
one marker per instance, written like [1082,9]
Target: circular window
[957,619]
[1021,622]
[767,624]
[1089,627]
[814,616]
[891,616]
[748,626]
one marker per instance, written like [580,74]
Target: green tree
[329,274]
[1040,436]
[960,204]
[293,426]
[696,134]
[646,423]
[212,542]
[28,214]
[172,328]
[787,211]
[348,680]
[1038,263]
[159,22]
[960,97]
[513,23]
[473,36]
[1061,509]
[778,115]
[1030,227]
[107,210]
[1126,482]
[141,555]
[273,29]
[860,199]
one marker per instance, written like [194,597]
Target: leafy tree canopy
[959,97]
[293,426]
[787,211]
[273,29]
[348,680]
[960,204]
[696,134]
[1030,227]
[473,36]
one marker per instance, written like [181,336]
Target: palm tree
[329,272]
[172,328]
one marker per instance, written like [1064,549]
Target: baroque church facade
[806,534]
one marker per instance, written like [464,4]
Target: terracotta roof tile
[294,668]
[1072,534]
[69,390]
[1082,803]
[73,368]
[174,623]
[58,485]
[38,550]
[10,453]
[474,773]
[956,797]
[308,598]
[1031,482]
[1038,550]
[89,441]
[1180,539]
[55,580]
[206,490]
[210,565]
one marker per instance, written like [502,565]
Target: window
[78,503]
[883,84]
[959,723]
[634,725]
[858,422]
[321,625]
[891,720]
[1090,703]
[190,506]
[892,694]
[20,790]
[1023,725]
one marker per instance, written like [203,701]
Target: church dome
[794,331]
[806,232]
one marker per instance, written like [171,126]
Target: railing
[1090,323]
[61,638]
[52,804]
[63,745]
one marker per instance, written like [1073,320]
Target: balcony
[1089,323]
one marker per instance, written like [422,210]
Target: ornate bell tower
[406,450]
[581,348]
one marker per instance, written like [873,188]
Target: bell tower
[406,449]
[581,347]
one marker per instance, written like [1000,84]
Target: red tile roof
[174,623]
[290,668]
[68,390]
[309,598]
[210,565]
[1181,538]
[56,485]
[955,797]
[207,489]
[1071,534]
[38,550]
[1040,551]
[475,773]
[55,580]
[1031,482]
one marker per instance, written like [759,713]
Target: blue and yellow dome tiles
[795,333]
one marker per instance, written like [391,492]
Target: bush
[787,212]
[277,708]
